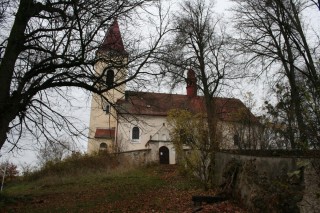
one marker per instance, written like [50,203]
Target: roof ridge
[163,93]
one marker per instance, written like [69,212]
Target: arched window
[107,108]
[135,133]
[236,140]
[110,78]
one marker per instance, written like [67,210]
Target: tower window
[107,108]
[135,133]
[110,78]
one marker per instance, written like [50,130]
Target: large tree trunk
[14,47]
[3,131]
[213,143]
[296,99]
[4,128]
[295,92]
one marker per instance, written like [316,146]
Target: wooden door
[164,155]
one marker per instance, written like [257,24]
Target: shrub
[76,164]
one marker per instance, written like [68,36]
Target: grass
[153,188]
[80,183]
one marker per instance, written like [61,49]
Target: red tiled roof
[158,104]
[104,133]
[113,40]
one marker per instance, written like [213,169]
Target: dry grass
[102,184]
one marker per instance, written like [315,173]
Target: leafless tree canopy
[273,34]
[52,45]
[200,43]
[53,152]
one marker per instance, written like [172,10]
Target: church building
[136,122]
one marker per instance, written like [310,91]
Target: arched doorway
[164,155]
[103,147]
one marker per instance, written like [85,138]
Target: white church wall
[148,126]
[151,128]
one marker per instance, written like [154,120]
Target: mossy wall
[270,184]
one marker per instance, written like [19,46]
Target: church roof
[105,133]
[113,41]
[159,104]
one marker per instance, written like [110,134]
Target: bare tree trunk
[15,45]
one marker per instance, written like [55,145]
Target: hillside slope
[157,188]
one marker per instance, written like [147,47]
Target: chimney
[191,83]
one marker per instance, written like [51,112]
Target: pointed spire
[113,41]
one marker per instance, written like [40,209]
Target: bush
[76,164]
[11,171]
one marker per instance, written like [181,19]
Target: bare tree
[272,34]
[8,171]
[200,43]
[53,152]
[246,128]
[51,46]
[282,115]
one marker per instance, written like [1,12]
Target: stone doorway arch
[164,155]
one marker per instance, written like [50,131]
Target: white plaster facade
[153,134]
[102,114]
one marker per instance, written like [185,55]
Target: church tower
[112,67]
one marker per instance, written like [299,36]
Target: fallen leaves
[158,189]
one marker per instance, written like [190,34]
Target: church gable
[163,134]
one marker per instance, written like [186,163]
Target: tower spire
[113,41]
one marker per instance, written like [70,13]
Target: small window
[110,78]
[135,133]
[236,140]
[107,108]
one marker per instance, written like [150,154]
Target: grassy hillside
[103,184]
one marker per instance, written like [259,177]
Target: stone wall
[270,184]
[135,157]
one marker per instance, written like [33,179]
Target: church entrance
[164,155]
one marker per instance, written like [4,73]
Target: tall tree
[200,43]
[51,46]
[272,33]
